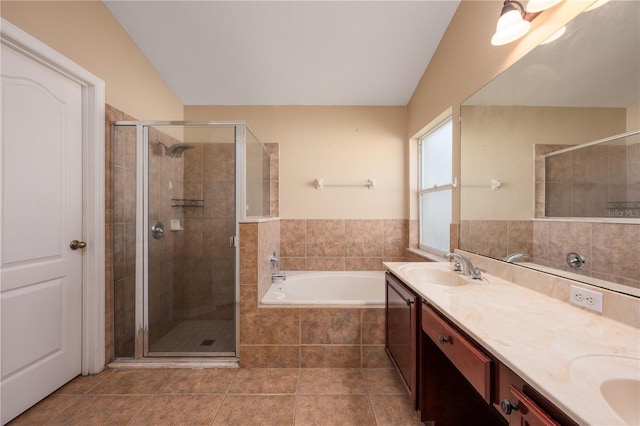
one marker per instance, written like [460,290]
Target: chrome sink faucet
[516,256]
[467,267]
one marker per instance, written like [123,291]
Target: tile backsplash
[618,307]
[549,242]
[341,244]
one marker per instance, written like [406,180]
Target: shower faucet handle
[274,260]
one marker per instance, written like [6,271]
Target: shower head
[176,150]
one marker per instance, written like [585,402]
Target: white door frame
[93,188]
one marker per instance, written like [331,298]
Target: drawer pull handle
[444,340]
[409,302]
[508,406]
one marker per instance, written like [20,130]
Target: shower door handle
[75,245]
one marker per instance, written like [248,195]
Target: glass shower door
[191,217]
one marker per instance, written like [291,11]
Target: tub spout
[278,276]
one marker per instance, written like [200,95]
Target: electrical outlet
[586,298]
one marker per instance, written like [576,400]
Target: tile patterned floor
[307,396]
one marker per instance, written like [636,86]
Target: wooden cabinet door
[528,413]
[401,334]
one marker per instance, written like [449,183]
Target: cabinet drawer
[473,364]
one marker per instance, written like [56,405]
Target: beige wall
[87,33]
[633,117]
[338,144]
[504,151]
[465,61]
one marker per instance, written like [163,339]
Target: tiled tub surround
[291,337]
[549,241]
[341,244]
[550,347]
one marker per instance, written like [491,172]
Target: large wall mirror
[582,87]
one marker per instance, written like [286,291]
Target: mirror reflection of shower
[176,150]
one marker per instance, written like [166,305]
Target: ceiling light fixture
[511,24]
[515,20]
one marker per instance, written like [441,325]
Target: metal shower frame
[142,220]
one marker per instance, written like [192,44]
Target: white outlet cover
[586,298]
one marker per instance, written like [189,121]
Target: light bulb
[510,27]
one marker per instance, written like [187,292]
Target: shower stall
[179,191]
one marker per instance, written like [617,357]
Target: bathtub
[328,288]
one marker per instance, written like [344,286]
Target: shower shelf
[185,202]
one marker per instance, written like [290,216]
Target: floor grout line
[367,385]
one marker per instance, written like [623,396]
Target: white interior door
[41,213]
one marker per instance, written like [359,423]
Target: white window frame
[440,121]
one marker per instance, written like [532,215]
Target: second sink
[433,273]
[623,396]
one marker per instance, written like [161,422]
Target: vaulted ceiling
[287,52]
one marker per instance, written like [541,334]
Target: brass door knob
[75,245]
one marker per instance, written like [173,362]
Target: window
[435,185]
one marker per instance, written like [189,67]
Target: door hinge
[233,241]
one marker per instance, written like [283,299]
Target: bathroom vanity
[492,352]
[401,332]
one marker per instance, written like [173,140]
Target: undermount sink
[616,378]
[623,396]
[433,274]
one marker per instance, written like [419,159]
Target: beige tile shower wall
[555,172]
[550,241]
[339,245]
[586,182]
[298,337]
[165,270]
[120,196]
[208,259]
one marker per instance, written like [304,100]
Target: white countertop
[564,352]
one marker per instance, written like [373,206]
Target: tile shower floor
[225,396]
[198,336]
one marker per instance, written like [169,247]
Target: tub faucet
[515,256]
[274,260]
[467,267]
[278,276]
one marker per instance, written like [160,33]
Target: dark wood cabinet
[402,310]
[521,405]
[456,382]
[470,361]
[453,379]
